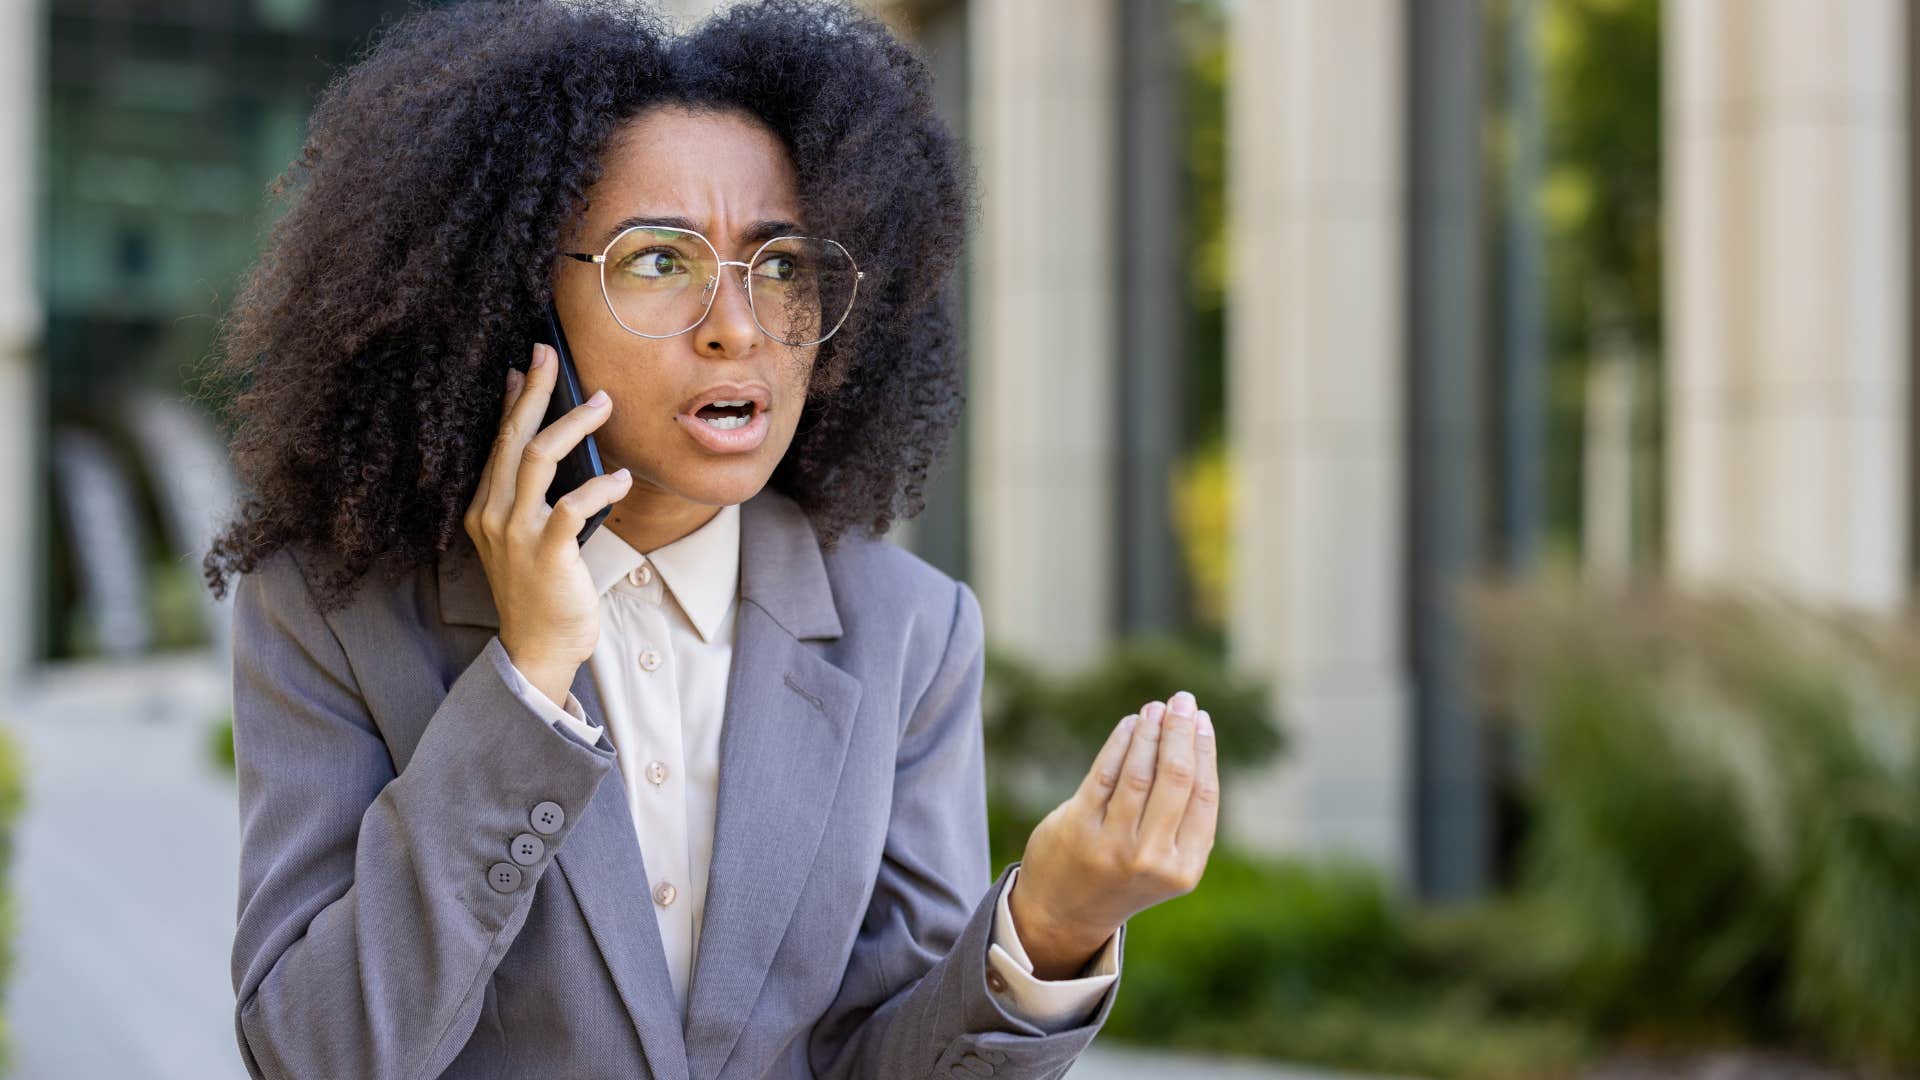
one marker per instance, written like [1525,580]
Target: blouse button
[657,771]
[650,660]
[663,893]
[641,574]
[996,981]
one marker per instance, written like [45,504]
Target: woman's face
[727,176]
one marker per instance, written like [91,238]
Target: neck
[651,520]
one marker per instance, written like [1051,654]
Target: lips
[758,394]
[738,440]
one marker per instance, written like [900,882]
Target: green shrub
[1303,960]
[13,795]
[1311,961]
[1268,938]
[1726,798]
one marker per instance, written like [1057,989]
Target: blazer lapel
[784,733]
[783,739]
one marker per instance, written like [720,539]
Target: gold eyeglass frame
[711,288]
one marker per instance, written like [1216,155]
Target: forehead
[722,170]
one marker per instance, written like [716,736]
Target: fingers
[540,458]
[1173,777]
[1136,772]
[576,506]
[521,423]
[1195,838]
[482,488]
[1097,786]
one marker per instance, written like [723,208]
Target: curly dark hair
[368,343]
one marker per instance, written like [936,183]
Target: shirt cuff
[573,718]
[1052,1004]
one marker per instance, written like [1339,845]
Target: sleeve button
[503,876]
[526,849]
[996,981]
[547,818]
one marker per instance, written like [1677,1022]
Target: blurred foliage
[1043,729]
[220,742]
[1724,797]
[1724,850]
[1600,200]
[1313,962]
[1200,496]
[174,598]
[1599,204]
[13,798]
[1306,961]
[177,619]
[1201,29]
[1203,517]
[1727,810]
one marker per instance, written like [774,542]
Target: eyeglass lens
[661,281]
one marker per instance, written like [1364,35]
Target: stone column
[1316,381]
[1042,344]
[22,428]
[1786,295]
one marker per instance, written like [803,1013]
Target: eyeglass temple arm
[584,257]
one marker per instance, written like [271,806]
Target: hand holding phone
[582,462]
[549,609]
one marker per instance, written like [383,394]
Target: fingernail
[1206,724]
[513,379]
[1182,703]
[623,474]
[598,399]
[539,355]
[1151,714]
[1127,722]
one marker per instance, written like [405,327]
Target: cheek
[641,420]
[796,374]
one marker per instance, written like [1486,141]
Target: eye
[779,266]
[654,263]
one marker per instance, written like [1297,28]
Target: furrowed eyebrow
[756,233]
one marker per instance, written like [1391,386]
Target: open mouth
[726,415]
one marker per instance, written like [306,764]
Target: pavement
[124,870]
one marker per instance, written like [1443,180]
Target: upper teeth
[729,403]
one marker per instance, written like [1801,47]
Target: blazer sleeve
[914,1001]
[374,907]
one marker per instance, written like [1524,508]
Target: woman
[788,874]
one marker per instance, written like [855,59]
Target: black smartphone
[582,463]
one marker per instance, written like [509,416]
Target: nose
[729,328]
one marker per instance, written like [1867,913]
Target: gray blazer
[384,929]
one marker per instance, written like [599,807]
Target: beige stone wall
[1041,346]
[1318,196]
[1787,291]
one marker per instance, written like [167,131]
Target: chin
[721,484]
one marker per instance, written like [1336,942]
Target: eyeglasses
[659,282]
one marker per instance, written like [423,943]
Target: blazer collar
[781,570]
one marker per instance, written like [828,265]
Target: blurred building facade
[1789,242]
[1386,382]
[1383,384]
[20,335]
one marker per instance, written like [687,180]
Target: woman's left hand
[1137,831]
